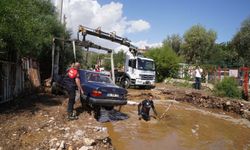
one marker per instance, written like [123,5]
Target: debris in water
[132,103]
[111,115]
[195,130]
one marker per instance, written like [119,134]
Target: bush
[166,61]
[227,87]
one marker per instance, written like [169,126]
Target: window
[145,64]
[96,77]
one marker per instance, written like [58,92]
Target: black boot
[72,116]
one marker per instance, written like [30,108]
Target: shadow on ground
[31,103]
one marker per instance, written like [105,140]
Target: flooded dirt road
[38,121]
[184,127]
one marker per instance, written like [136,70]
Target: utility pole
[61,10]
[57,51]
[112,66]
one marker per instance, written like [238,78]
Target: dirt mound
[204,99]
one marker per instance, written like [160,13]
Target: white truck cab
[139,71]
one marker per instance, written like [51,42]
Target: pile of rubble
[201,99]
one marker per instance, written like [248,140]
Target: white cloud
[145,44]
[137,26]
[109,17]
[141,45]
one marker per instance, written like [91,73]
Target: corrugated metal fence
[15,78]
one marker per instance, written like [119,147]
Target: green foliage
[90,59]
[119,59]
[166,60]
[241,42]
[27,28]
[93,58]
[224,55]
[227,87]
[187,75]
[174,41]
[179,83]
[198,44]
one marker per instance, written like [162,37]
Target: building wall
[16,78]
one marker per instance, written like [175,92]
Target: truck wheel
[125,83]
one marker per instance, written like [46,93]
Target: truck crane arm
[108,36]
[88,44]
[137,75]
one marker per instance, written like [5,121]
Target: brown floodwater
[184,127]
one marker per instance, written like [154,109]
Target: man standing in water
[144,108]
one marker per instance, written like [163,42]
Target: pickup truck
[100,91]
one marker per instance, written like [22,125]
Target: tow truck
[138,70]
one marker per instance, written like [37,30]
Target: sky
[148,23]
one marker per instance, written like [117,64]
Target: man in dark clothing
[71,81]
[144,108]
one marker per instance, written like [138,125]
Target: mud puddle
[184,127]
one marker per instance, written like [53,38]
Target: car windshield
[146,64]
[97,77]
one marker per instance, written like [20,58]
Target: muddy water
[184,127]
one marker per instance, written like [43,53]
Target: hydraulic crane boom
[88,44]
[108,36]
[138,70]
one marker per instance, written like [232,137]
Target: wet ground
[183,127]
[39,122]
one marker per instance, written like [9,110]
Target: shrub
[227,87]
[166,61]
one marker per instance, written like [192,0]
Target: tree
[224,55]
[27,28]
[166,60]
[119,59]
[174,41]
[241,42]
[198,44]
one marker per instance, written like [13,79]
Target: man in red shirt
[72,81]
